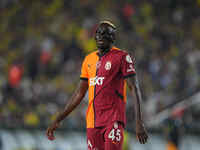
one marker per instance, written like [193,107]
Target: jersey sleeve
[84,72]
[128,66]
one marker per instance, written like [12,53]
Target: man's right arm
[70,106]
[74,100]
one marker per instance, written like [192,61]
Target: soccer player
[105,74]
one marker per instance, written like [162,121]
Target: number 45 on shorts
[115,133]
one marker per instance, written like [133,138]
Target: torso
[107,89]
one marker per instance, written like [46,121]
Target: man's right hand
[73,102]
[51,129]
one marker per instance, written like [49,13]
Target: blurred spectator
[15,75]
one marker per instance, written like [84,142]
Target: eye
[98,32]
[102,32]
[110,30]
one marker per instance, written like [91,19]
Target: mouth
[100,42]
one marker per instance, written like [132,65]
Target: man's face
[103,36]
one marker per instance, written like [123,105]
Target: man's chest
[103,67]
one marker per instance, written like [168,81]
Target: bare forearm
[141,133]
[73,102]
[138,100]
[71,105]
[136,93]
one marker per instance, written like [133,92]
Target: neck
[104,51]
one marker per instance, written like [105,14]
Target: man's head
[105,35]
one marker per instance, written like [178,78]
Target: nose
[99,37]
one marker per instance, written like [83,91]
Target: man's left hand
[141,133]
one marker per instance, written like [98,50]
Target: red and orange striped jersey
[107,87]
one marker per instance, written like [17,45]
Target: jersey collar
[106,53]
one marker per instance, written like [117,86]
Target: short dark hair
[108,23]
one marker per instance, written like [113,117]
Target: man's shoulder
[119,51]
[91,55]
[121,54]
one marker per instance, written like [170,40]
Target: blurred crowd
[43,43]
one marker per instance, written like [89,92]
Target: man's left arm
[141,132]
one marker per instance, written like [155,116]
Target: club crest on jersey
[128,59]
[108,65]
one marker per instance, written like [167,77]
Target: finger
[51,133]
[143,140]
[140,139]
[47,132]
[145,137]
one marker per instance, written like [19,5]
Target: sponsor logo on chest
[96,81]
